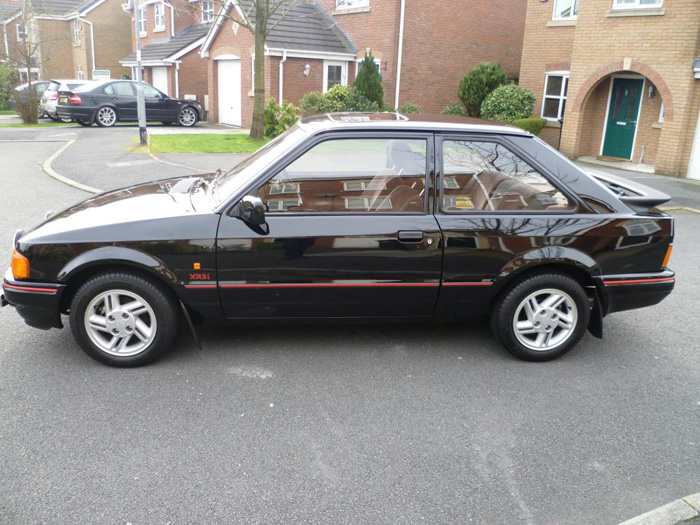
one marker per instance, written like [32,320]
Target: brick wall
[193,76]
[56,49]
[182,15]
[12,43]
[660,48]
[113,32]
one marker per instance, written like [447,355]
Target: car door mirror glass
[252,210]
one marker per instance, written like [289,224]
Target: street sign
[101,74]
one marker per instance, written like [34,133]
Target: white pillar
[694,164]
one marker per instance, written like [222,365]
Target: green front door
[622,117]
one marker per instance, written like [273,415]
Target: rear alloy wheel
[122,319]
[106,117]
[542,317]
[65,119]
[187,117]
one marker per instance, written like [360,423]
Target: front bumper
[632,291]
[37,303]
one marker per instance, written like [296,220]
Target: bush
[410,108]
[336,99]
[8,78]
[454,108]
[533,125]
[478,84]
[369,81]
[279,118]
[508,103]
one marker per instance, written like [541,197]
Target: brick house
[422,50]
[620,73]
[171,33]
[10,15]
[73,38]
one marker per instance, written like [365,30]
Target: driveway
[345,423]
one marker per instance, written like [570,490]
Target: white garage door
[160,79]
[230,92]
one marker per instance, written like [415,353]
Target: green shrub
[8,78]
[533,125]
[369,81]
[508,103]
[455,108]
[410,108]
[477,84]
[279,118]
[336,99]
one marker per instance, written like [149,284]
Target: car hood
[163,199]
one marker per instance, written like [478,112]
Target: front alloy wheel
[187,117]
[123,319]
[106,117]
[541,317]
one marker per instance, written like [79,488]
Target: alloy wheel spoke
[548,338]
[526,328]
[565,321]
[539,341]
[143,331]
[98,322]
[531,307]
[135,308]
[553,301]
[112,302]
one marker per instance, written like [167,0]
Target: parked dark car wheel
[187,117]
[122,319]
[542,317]
[106,117]
[86,123]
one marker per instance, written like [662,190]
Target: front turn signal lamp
[667,256]
[20,265]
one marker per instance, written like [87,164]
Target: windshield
[233,180]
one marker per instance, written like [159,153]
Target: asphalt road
[346,424]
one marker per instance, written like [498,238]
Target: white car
[47,104]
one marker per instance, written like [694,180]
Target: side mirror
[252,210]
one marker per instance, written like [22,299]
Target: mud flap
[595,323]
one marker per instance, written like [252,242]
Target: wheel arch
[113,258]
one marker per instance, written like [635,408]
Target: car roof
[400,121]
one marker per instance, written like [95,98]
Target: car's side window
[149,91]
[487,176]
[381,175]
[121,89]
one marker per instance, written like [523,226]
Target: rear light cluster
[667,257]
[75,99]
[53,96]
[20,265]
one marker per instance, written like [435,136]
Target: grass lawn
[40,125]
[7,112]
[204,143]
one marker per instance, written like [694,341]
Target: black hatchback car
[353,217]
[108,102]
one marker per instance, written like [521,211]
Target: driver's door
[347,234]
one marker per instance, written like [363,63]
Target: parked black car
[353,216]
[111,101]
[22,91]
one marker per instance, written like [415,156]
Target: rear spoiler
[637,196]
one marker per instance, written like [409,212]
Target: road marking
[128,163]
[65,180]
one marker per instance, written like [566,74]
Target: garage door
[160,79]
[230,92]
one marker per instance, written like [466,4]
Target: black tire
[161,316]
[55,119]
[546,322]
[106,117]
[86,123]
[65,120]
[167,123]
[188,117]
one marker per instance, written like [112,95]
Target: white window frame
[662,113]
[562,97]
[207,11]
[343,75]
[282,188]
[636,5]
[450,183]
[81,75]
[377,62]
[142,20]
[252,73]
[381,203]
[278,204]
[572,16]
[20,33]
[159,13]
[77,30]
[363,185]
[351,4]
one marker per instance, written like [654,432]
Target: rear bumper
[632,291]
[76,112]
[37,303]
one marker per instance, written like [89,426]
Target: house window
[207,11]
[81,76]
[554,101]
[334,73]
[636,4]
[565,10]
[20,32]
[361,185]
[159,16]
[142,19]
[76,31]
[662,112]
[377,62]
[351,4]
[363,203]
[285,187]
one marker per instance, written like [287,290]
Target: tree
[477,84]
[369,81]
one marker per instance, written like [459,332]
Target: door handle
[410,236]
